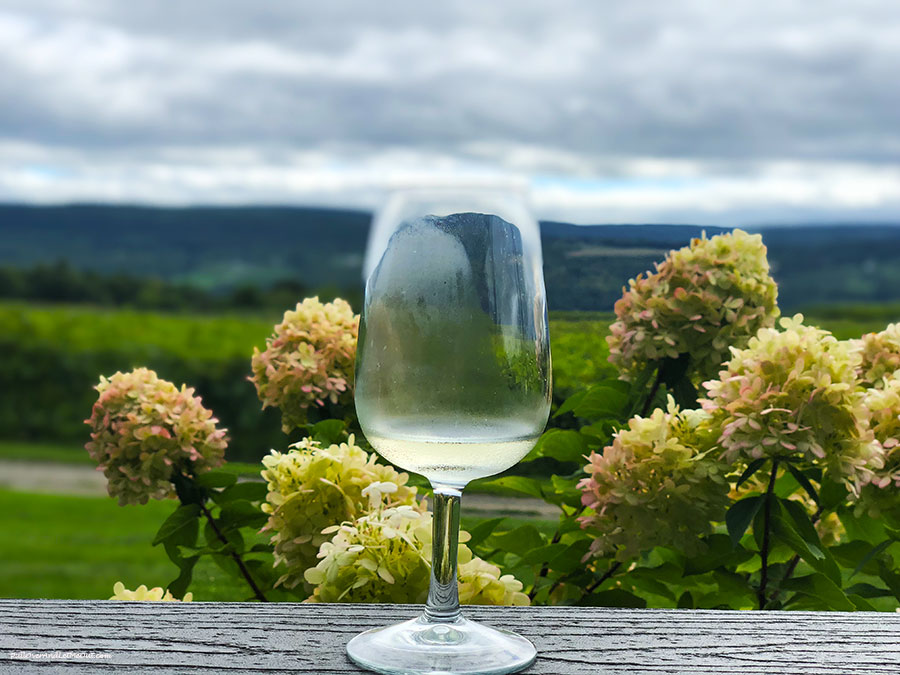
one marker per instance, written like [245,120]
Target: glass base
[420,646]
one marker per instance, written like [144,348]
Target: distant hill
[222,248]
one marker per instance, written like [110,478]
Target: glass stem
[442,605]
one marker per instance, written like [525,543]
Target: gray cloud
[570,88]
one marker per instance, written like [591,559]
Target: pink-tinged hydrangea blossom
[701,300]
[880,355]
[142,593]
[793,395]
[308,360]
[385,556]
[144,428]
[882,494]
[312,488]
[658,484]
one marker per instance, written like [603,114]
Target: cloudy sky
[732,112]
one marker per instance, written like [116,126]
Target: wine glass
[452,382]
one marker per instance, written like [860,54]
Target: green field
[78,547]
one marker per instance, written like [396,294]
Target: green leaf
[519,541]
[526,486]
[751,469]
[543,554]
[254,491]
[871,554]
[739,517]
[227,564]
[563,445]
[850,553]
[564,492]
[482,531]
[570,403]
[803,524]
[328,432]
[804,481]
[832,494]
[861,604]
[242,513]
[571,558]
[819,587]
[868,591]
[178,524]
[719,553]
[686,601]
[215,479]
[602,401]
[179,585]
[615,597]
[890,578]
[814,554]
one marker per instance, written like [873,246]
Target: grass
[44,452]
[78,547]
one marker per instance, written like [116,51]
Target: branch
[237,559]
[764,551]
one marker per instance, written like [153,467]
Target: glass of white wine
[452,382]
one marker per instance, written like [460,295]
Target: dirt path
[84,480]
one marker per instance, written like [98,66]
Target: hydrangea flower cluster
[385,556]
[658,484]
[793,394]
[380,557]
[143,593]
[312,488]
[882,494]
[308,360]
[702,299]
[481,583]
[880,355]
[143,428]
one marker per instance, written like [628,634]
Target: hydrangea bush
[144,428]
[779,489]
[701,300]
[309,360]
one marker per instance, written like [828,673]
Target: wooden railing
[137,637]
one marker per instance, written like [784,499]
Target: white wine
[453,453]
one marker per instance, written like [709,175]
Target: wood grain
[135,637]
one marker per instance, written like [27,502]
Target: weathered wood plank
[295,638]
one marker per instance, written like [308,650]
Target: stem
[442,605]
[240,563]
[545,567]
[655,388]
[764,551]
[606,575]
